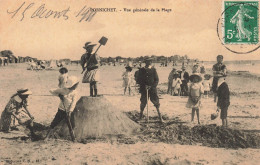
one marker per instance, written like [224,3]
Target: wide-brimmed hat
[176,73]
[195,75]
[72,80]
[86,45]
[91,46]
[24,91]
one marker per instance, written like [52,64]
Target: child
[17,108]
[223,99]
[196,68]
[68,100]
[206,84]
[127,79]
[176,84]
[170,78]
[196,91]
[63,77]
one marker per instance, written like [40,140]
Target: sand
[243,114]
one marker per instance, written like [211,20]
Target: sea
[251,66]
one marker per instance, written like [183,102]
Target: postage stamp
[241,24]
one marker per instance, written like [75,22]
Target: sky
[189,29]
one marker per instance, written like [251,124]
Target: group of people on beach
[199,85]
[180,83]
[146,77]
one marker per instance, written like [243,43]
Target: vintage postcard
[129,82]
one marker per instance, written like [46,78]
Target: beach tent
[52,64]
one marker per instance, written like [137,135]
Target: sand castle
[96,117]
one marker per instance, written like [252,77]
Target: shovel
[102,41]
[72,135]
[147,105]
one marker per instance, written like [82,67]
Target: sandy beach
[243,114]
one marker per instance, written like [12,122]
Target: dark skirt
[215,84]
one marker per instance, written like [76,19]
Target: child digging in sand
[127,78]
[68,99]
[17,108]
[195,93]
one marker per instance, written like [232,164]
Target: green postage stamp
[241,22]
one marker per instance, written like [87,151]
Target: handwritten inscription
[85,14]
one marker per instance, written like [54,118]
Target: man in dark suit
[184,76]
[223,99]
[148,80]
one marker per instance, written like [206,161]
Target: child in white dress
[207,85]
[176,84]
[196,91]
[127,79]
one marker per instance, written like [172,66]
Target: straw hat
[176,73]
[86,45]
[91,46]
[72,80]
[129,65]
[24,91]
[195,75]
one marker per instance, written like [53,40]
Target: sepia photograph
[129,82]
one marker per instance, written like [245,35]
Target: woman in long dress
[238,19]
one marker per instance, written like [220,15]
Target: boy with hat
[17,108]
[148,80]
[127,78]
[219,69]
[196,91]
[91,76]
[68,99]
[223,99]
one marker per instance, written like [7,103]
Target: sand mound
[95,117]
